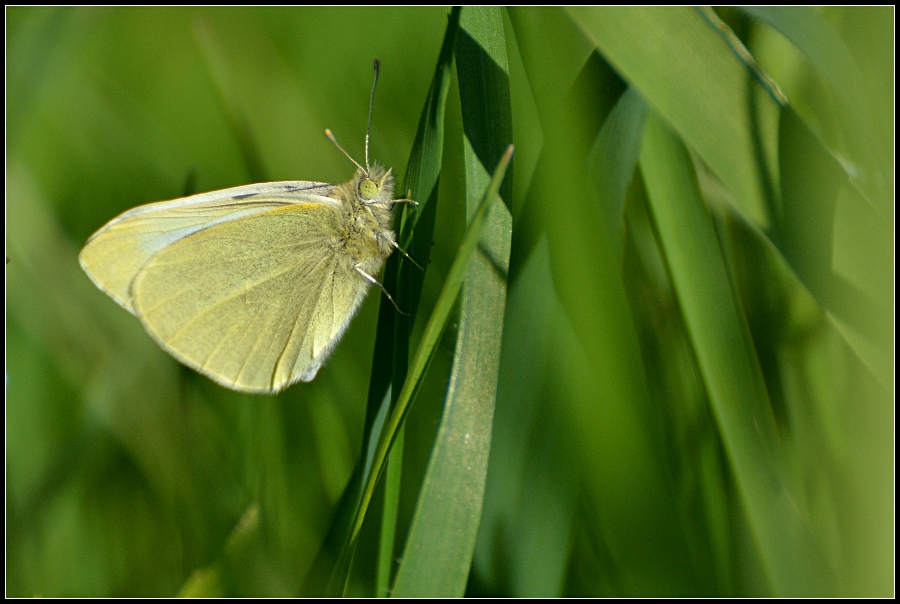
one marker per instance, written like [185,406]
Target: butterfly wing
[256,303]
[115,254]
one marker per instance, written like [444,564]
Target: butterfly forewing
[117,251]
[280,296]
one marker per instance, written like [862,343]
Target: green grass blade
[585,384]
[602,387]
[614,156]
[692,72]
[441,539]
[729,365]
[389,513]
[821,211]
[416,236]
[430,338]
[211,581]
[416,230]
[534,479]
[807,29]
[687,75]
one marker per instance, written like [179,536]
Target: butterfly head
[374,182]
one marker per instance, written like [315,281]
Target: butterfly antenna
[377,68]
[330,136]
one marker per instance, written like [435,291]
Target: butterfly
[252,286]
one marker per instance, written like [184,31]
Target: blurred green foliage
[693,389]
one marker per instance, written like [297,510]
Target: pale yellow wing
[256,304]
[115,254]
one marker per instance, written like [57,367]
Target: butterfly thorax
[367,217]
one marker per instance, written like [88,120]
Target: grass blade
[729,365]
[415,229]
[441,540]
[430,338]
[416,236]
[689,74]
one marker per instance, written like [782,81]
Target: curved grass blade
[416,236]
[604,386]
[689,74]
[614,155]
[441,540]
[814,189]
[808,30]
[729,365]
[331,568]
[212,581]
[430,338]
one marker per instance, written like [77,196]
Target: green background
[694,343]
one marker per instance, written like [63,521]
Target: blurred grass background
[695,390]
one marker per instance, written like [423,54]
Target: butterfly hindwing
[280,296]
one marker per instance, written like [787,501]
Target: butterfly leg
[397,247]
[374,281]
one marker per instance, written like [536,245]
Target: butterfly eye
[368,189]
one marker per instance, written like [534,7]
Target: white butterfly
[252,286]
